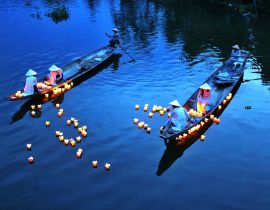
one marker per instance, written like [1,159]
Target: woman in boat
[203,98]
[179,118]
[56,75]
[235,55]
[115,38]
[30,83]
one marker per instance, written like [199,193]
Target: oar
[121,48]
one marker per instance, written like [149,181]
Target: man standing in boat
[179,118]
[30,83]
[115,38]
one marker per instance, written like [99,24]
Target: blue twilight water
[177,46]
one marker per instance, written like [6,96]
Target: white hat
[236,47]
[115,30]
[175,103]
[54,68]
[30,73]
[205,86]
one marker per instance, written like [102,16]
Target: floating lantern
[66,142]
[148,130]
[47,123]
[202,137]
[145,109]
[84,127]
[154,109]
[150,114]
[141,125]
[28,146]
[95,164]
[33,107]
[219,107]
[31,160]
[145,126]
[68,122]
[135,120]
[137,107]
[164,110]
[159,108]
[107,166]
[80,129]
[216,120]
[33,113]
[39,106]
[57,106]
[161,112]
[169,115]
[72,142]
[224,101]
[84,133]
[76,124]
[60,114]
[61,110]
[58,133]
[61,138]
[79,153]
[212,116]
[72,119]
[78,139]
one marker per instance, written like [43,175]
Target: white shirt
[29,85]
[179,118]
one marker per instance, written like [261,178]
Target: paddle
[121,48]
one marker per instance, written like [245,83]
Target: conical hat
[175,103]
[115,30]
[205,86]
[236,47]
[54,68]
[30,72]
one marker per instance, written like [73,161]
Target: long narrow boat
[224,82]
[71,72]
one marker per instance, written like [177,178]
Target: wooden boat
[224,82]
[71,72]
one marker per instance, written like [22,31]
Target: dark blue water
[177,46]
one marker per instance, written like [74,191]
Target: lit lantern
[189,131]
[197,127]
[212,116]
[68,122]
[72,142]
[78,139]
[47,123]
[66,142]
[39,106]
[202,137]
[159,108]
[47,95]
[161,128]
[169,115]
[58,133]
[31,160]
[154,109]
[141,125]
[80,129]
[33,107]
[84,127]
[217,121]
[161,113]
[61,138]
[61,110]
[33,113]
[76,124]
[107,166]
[164,110]
[57,106]
[72,119]
[137,107]
[150,114]
[63,90]
[185,135]
[60,114]
[202,123]
[148,130]
[84,133]
[135,120]
[146,105]
[95,164]
[224,101]
[145,109]
[145,126]
[79,153]
[219,107]
[28,146]
[206,120]
[71,84]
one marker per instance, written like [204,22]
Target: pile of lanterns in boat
[59,90]
[43,86]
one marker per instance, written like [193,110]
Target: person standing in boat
[179,118]
[30,83]
[56,75]
[115,38]
[203,98]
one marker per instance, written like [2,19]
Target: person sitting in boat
[30,83]
[235,55]
[179,118]
[56,75]
[115,38]
[203,98]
